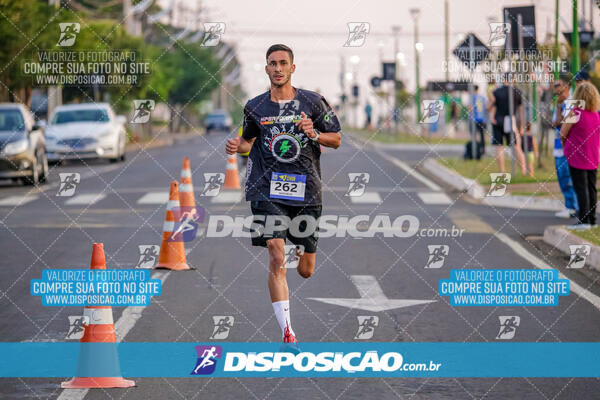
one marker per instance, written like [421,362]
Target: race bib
[287,186]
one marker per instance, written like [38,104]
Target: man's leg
[277,282]
[306,265]
[565,182]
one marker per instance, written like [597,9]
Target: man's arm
[245,145]
[330,139]
[327,139]
[238,144]
[559,117]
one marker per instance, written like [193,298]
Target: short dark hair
[564,78]
[280,47]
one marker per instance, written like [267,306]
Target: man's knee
[276,253]
[306,267]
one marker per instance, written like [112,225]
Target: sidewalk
[477,191]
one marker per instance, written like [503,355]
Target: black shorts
[499,136]
[307,238]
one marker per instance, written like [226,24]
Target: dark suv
[22,146]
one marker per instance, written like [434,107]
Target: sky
[316,31]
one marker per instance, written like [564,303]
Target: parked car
[89,130]
[22,146]
[218,120]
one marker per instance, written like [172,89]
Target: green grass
[591,235]
[480,170]
[386,137]
[536,194]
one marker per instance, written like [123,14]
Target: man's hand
[232,145]
[306,126]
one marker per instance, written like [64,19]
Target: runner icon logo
[499,184]
[431,111]
[223,324]
[207,359]
[142,110]
[357,33]
[508,327]
[185,228]
[579,253]
[213,181]
[76,326]
[148,255]
[572,115]
[68,183]
[291,255]
[437,255]
[212,33]
[68,33]
[358,183]
[366,326]
[498,33]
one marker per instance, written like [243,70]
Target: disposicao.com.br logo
[313,363]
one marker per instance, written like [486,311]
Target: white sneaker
[564,213]
[579,227]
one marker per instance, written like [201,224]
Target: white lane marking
[227,196]
[154,198]
[434,198]
[538,263]
[17,200]
[122,327]
[366,198]
[86,199]
[418,176]
[371,297]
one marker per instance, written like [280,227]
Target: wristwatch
[316,135]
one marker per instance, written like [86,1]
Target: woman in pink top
[581,144]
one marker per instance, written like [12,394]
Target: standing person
[368,113]
[563,175]
[531,152]
[290,124]
[478,114]
[502,131]
[581,144]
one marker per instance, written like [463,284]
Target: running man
[283,176]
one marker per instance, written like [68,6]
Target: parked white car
[90,130]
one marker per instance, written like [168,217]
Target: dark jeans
[584,183]
[481,127]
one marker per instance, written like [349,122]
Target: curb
[560,237]
[406,146]
[477,191]
[453,179]
[148,145]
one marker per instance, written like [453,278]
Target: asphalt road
[122,206]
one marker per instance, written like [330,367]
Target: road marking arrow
[371,298]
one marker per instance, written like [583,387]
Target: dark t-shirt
[501,96]
[282,153]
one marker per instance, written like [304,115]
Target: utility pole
[447,56]
[396,31]
[415,14]
[575,42]
[54,92]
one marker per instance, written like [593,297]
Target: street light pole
[575,42]
[447,56]
[415,14]
[396,31]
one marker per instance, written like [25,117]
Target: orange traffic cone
[172,251]
[100,329]
[186,189]
[232,177]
